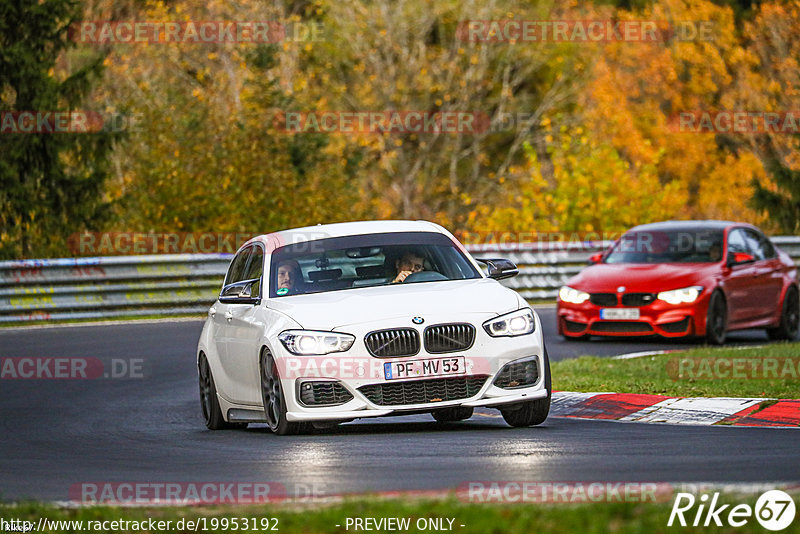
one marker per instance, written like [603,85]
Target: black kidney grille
[449,337]
[324,393]
[638,299]
[603,299]
[423,391]
[394,342]
[517,375]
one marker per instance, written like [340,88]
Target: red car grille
[638,299]
[628,327]
[603,299]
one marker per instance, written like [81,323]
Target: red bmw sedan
[683,278]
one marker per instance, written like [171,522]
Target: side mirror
[595,258]
[241,292]
[500,268]
[247,291]
[740,257]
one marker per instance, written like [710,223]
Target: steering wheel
[425,276]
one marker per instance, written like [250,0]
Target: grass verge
[476,518]
[769,371]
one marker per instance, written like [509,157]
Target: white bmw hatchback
[326,324]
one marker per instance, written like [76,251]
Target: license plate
[619,313]
[422,368]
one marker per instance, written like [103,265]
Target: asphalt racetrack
[60,433]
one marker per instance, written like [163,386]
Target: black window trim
[728,240]
[247,250]
[226,281]
[761,238]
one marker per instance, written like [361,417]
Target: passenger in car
[289,277]
[715,252]
[410,262]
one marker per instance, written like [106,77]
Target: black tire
[208,398]
[273,398]
[452,414]
[790,317]
[716,319]
[531,412]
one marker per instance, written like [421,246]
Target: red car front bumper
[655,318]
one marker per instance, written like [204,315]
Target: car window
[769,248]
[760,246]
[754,244]
[699,245]
[255,268]
[236,271]
[367,260]
[737,242]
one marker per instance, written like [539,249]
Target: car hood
[641,277]
[334,309]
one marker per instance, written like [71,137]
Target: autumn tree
[209,153]
[638,89]
[768,80]
[414,56]
[51,184]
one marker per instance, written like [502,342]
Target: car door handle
[228,315]
[212,312]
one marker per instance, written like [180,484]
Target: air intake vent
[442,338]
[393,343]
[423,391]
[518,374]
[629,327]
[327,393]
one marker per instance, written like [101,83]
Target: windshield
[367,260]
[684,246]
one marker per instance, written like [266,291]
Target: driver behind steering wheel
[410,262]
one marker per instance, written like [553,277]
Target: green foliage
[568,513]
[209,152]
[782,202]
[51,184]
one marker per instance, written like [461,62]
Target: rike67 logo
[774,510]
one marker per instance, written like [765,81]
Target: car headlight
[310,342]
[568,294]
[685,295]
[511,324]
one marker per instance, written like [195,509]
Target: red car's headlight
[568,294]
[685,295]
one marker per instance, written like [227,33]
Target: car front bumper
[658,318]
[337,415]
[373,395]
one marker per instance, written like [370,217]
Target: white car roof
[324,231]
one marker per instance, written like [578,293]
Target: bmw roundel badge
[417,320]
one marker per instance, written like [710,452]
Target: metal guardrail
[107,287]
[181,284]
